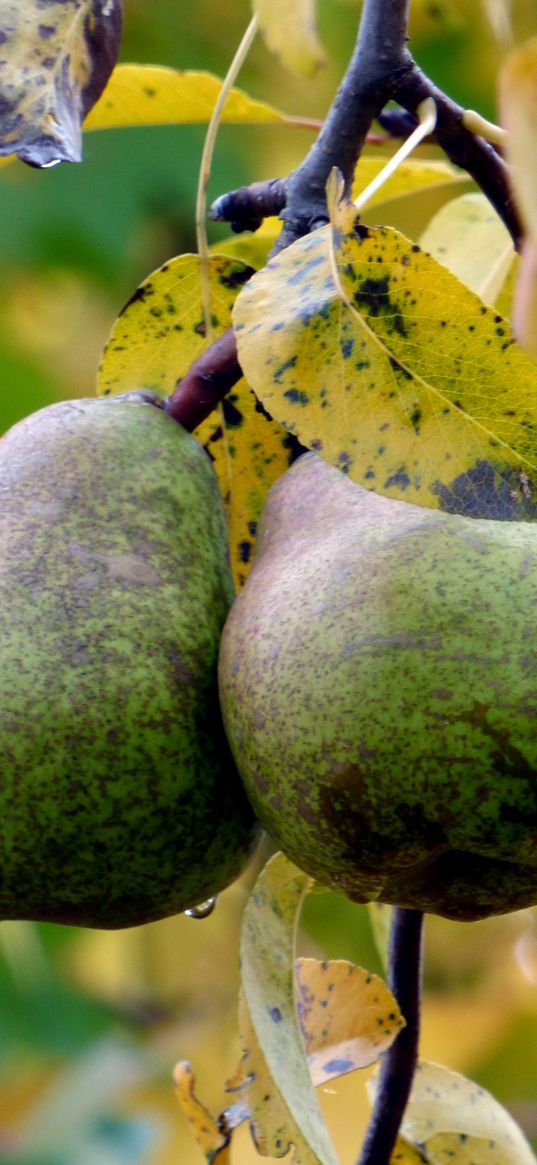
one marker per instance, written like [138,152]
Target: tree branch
[378,60]
[399,1062]
[381,69]
[472,153]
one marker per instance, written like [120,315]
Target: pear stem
[399,1062]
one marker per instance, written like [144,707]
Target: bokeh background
[92,1022]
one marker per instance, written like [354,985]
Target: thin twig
[378,60]
[399,1062]
[206,162]
[469,151]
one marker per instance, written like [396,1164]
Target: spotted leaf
[56,60]
[348,1017]
[153,342]
[455,1122]
[377,357]
[274,1078]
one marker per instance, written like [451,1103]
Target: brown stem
[207,382]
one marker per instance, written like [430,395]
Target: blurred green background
[91,1023]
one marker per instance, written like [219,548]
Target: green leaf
[156,95]
[154,341]
[280,1094]
[56,60]
[380,916]
[289,29]
[470,239]
[455,1122]
[348,1017]
[384,363]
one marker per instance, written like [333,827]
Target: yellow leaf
[250,451]
[456,1122]
[280,1094]
[55,64]
[405,1154]
[396,373]
[348,1017]
[156,95]
[153,342]
[290,32]
[160,331]
[470,239]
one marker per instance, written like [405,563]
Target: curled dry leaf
[348,1017]
[56,60]
[210,1134]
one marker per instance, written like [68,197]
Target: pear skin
[119,799]
[378,680]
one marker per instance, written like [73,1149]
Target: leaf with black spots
[56,60]
[153,342]
[375,356]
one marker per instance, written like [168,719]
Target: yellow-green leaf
[250,248]
[396,373]
[154,341]
[156,95]
[348,1017]
[457,1122]
[470,239]
[56,60]
[410,177]
[380,916]
[280,1095]
[290,32]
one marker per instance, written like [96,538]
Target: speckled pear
[119,799]
[378,679]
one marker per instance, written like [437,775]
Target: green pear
[378,681]
[119,799]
